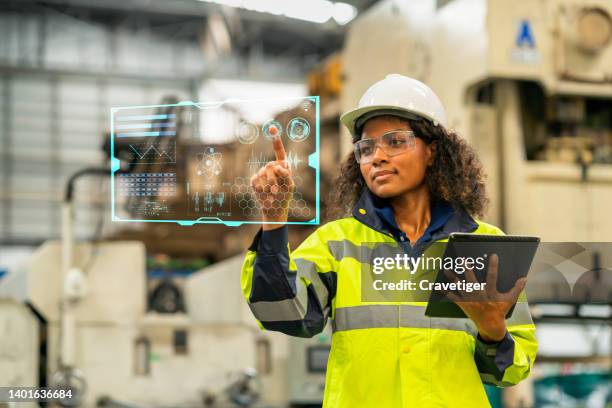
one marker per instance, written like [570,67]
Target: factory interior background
[134,313]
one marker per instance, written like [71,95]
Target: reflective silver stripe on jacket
[341,249]
[295,308]
[394,316]
[280,310]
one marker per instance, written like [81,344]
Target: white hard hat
[396,95]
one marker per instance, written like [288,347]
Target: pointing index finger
[277,143]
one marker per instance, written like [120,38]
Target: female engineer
[412,182]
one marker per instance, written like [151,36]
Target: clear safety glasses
[392,143]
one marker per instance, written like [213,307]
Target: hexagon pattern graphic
[248,204]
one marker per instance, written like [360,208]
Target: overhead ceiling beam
[188,8]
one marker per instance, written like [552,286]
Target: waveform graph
[293,159]
[153,152]
[256,161]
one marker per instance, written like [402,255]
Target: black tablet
[473,251]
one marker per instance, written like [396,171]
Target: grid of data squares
[147,184]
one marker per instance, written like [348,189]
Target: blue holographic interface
[191,162]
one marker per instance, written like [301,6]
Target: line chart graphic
[154,152]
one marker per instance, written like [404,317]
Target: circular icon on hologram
[298,129]
[247,133]
[272,127]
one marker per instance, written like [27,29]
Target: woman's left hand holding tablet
[487,308]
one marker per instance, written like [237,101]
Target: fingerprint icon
[298,129]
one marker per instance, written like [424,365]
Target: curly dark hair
[455,176]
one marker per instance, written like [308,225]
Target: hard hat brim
[350,118]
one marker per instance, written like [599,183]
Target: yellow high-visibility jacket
[383,355]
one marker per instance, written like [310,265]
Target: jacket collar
[365,211]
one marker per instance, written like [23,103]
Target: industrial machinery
[75,315]
[529,83]
[120,355]
[307,369]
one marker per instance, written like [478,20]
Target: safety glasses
[392,143]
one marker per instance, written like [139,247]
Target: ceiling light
[343,13]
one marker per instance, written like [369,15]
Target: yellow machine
[529,83]
[326,79]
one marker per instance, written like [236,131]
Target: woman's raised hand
[273,185]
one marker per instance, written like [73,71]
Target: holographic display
[192,162]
